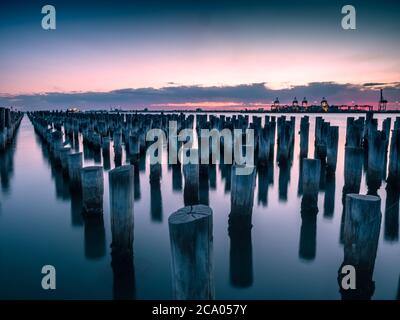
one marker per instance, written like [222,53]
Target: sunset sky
[152,53]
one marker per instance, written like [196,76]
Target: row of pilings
[9,123]
[89,182]
[192,264]
[86,189]
[361,218]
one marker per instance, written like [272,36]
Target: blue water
[40,224]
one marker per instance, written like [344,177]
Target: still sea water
[41,224]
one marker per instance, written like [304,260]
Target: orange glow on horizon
[211,105]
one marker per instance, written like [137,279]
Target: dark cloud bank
[246,94]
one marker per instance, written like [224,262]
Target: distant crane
[382,102]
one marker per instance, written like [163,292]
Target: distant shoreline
[245,111]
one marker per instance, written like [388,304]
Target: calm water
[40,224]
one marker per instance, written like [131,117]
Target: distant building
[304,103]
[73,110]
[295,103]
[276,104]
[324,105]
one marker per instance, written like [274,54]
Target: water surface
[40,223]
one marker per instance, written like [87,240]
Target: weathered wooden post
[87,152]
[397,124]
[64,153]
[191,236]
[212,171]
[263,184]
[7,118]
[56,138]
[304,133]
[137,183]
[376,151]
[76,141]
[264,145]
[155,172]
[191,189]
[242,190]
[239,230]
[3,135]
[311,174]
[361,235]
[391,231]
[121,181]
[121,210]
[300,181]
[329,199]
[97,155]
[354,132]
[96,141]
[353,163]
[321,141]
[349,128]
[318,128]
[92,190]
[6,168]
[105,144]
[2,129]
[134,149]
[283,180]
[376,160]
[203,184]
[368,125]
[394,160]
[353,169]
[155,192]
[142,141]
[2,119]
[176,177]
[332,149]
[272,136]
[284,141]
[117,138]
[101,126]
[386,124]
